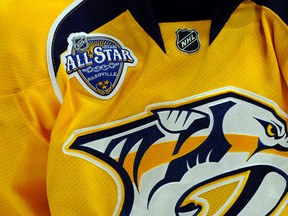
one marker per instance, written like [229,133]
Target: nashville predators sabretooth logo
[220,155]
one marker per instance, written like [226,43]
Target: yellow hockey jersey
[143,108]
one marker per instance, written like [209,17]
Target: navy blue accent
[196,126]
[150,136]
[234,95]
[216,145]
[279,7]
[143,13]
[191,207]
[91,14]
[257,174]
[117,130]
[128,187]
[86,17]
[124,128]
[183,10]
[223,12]
[148,15]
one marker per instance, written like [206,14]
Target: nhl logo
[187,40]
[80,43]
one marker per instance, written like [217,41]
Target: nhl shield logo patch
[99,62]
[187,40]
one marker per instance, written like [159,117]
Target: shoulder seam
[47,80]
[279,7]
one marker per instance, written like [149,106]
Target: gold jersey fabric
[131,108]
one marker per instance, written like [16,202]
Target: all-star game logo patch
[99,62]
[187,40]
